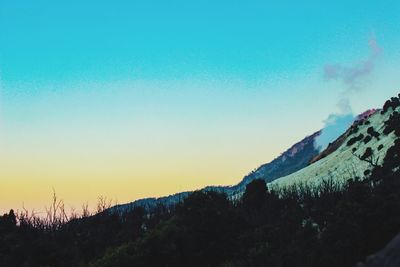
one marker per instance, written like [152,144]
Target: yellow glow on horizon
[29,175]
[122,146]
[34,188]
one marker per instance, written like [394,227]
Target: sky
[132,99]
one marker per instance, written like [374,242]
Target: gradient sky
[131,99]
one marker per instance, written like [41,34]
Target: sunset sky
[132,99]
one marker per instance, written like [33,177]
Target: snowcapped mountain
[352,154]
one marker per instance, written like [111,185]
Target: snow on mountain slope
[345,163]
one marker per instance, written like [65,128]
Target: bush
[367,154]
[355,139]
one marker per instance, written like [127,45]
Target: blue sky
[53,41]
[178,94]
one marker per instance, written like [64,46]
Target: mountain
[354,153]
[326,224]
[295,158]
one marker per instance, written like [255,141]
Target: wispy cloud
[352,75]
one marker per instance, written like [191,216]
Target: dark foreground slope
[389,256]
